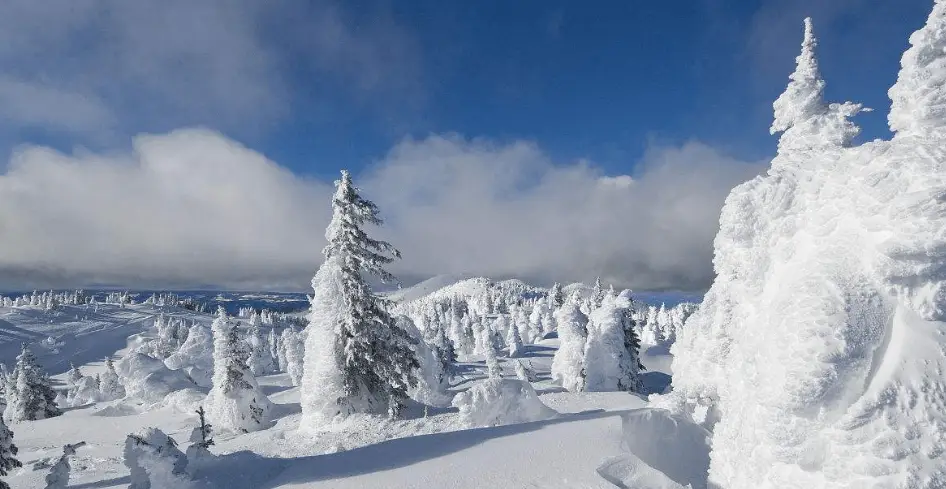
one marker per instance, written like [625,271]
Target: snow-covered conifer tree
[235,401]
[514,340]
[201,441]
[494,369]
[72,380]
[436,337]
[259,361]
[34,397]
[919,96]
[568,364]
[800,112]
[611,356]
[110,384]
[357,359]
[8,451]
[295,355]
[272,342]
[281,360]
[536,320]
[58,476]
[597,294]
[556,296]
[73,376]
[525,373]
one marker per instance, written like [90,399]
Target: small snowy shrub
[496,402]
[155,462]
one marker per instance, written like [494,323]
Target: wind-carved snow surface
[817,357]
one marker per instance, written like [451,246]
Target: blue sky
[599,81]
[547,140]
[603,81]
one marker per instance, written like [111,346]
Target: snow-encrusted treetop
[347,239]
[801,112]
[919,96]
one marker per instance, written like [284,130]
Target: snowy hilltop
[817,358]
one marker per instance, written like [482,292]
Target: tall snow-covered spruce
[235,401]
[356,358]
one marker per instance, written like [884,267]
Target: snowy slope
[79,334]
[585,447]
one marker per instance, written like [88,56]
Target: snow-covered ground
[590,443]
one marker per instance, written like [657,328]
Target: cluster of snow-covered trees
[27,391]
[599,344]
[660,325]
[82,389]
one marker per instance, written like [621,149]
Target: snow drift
[148,379]
[817,357]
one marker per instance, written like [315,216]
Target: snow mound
[496,402]
[673,445]
[817,357]
[148,379]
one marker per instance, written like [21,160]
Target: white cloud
[195,208]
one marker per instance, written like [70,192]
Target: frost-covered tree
[235,401]
[110,384]
[295,355]
[519,320]
[513,340]
[436,338]
[281,361]
[201,440]
[556,296]
[919,95]
[154,461]
[568,364]
[801,113]
[259,359]
[58,476]
[357,359]
[597,293]
[164,344]
[537,320]
[272,342]
[525,372]
[34,398]
[494,369]
[195,355]
[8,451]
[73,376]
[611,350]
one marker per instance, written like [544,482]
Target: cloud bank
[194,208]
